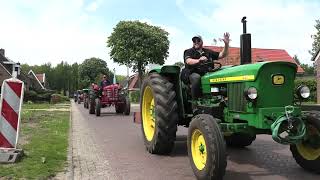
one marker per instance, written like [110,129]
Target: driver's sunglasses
[196,40]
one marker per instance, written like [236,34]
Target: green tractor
[238,102]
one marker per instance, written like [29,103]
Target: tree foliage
[296,59]
[316,39]
[308,69]
[137,44]
[91,70]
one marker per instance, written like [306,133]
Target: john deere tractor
[238,102]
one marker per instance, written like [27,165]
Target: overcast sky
[38,31]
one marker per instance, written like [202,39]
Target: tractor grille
[236,100]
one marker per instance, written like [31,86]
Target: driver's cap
[197,36]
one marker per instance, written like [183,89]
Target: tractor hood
[241,73]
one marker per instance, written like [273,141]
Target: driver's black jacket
[196,54]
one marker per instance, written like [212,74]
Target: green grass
[43,135]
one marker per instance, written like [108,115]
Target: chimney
[2,52]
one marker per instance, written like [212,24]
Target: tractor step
[233,127]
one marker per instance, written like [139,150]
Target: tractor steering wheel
[209,63]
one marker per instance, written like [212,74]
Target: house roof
[316,56]
[41,77]
[133,82]
[258,54]
[33,74]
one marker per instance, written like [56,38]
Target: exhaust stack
[245,44]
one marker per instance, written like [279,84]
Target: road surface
[120,143]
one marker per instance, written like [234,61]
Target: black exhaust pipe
[245,44]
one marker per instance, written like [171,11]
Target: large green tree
[138,44]
[316,39]
[91,70]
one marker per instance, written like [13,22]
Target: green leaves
[91,70]
[137,44]
[316,39]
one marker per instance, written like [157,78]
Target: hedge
[43,96]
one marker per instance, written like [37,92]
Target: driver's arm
[190,61]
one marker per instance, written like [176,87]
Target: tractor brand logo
[234,78]
[278,79]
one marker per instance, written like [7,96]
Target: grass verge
[44,139]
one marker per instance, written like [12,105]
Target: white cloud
[55,31]
[273,24]
[93,6]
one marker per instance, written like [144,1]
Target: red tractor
[112,95]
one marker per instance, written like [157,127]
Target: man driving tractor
[104,82]
[196,55]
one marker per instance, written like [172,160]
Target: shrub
[38,96]
[58,98]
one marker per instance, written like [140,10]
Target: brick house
[258,55]
[7,68]
[38,80]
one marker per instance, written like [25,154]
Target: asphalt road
[121,141]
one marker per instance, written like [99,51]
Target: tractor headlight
[251,93]
[303,92]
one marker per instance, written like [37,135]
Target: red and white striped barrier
[10,107]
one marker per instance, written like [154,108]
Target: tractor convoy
[97,97]
[238,102]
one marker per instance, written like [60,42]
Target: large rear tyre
[159,114]
[98,107]
[127,106]
[239,140]
[206,148]
[307,153]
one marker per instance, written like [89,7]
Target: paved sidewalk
[87,158]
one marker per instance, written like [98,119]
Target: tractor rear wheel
[127,106]
[239,140]
[307,153]
[98,107]
[159,114]
[206,147]
[92,106]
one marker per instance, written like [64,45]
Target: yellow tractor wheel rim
[198,149]
[307,152]
[148,113]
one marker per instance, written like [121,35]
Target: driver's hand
[203,58]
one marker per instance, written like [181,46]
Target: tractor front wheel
[159,114]
[307,153]
[239,140]
[206,148]
[98,107]
[92,106]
